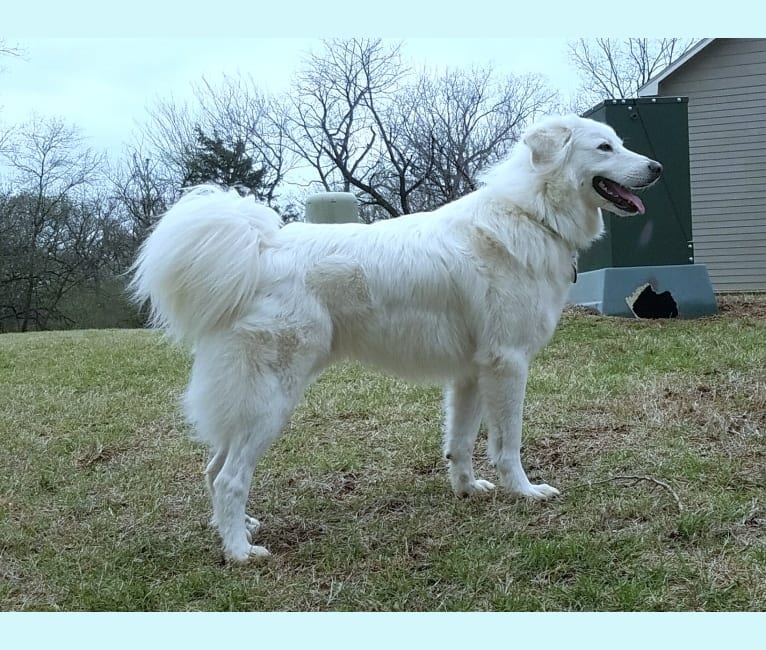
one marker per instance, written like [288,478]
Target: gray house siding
[726,87]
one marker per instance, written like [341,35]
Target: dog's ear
[548,144]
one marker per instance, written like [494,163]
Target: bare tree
[8,50]
[48,224]
[168,137]
[239,111]
[612,68]
[357,119]
[403,142]
[236,114]
[141,192]
[466,120]
[332,121]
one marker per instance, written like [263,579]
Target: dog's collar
[560,238]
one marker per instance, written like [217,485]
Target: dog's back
[400,294]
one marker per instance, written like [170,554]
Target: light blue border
[385,631]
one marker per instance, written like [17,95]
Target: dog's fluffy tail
[199,267]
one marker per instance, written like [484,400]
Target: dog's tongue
[629,196]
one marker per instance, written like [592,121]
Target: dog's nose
[655,167]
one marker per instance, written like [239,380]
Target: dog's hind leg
[231,486]
[502,382]
[217,458]
[214,465]
[239,407]
[462,409]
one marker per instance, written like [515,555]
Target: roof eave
[652,87]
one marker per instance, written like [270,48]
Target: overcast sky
[100,70]
[104,84]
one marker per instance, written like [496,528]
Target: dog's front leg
[502,383]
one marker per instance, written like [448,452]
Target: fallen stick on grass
[635,479]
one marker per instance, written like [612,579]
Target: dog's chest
[523,307]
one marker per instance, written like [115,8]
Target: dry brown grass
[652,430]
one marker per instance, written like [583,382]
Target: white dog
[464,295]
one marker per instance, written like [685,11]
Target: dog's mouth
[619,195]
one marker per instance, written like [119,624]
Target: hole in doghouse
[644,302]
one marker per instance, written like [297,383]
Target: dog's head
[589,154]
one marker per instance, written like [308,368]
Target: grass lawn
[652,430]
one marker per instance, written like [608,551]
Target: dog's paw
[540,492]
[252,525]
[477,486]
[252,554]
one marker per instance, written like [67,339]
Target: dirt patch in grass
[743,305]
[730,305]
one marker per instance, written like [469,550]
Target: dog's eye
[605,147]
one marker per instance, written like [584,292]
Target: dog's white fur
[464,295]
